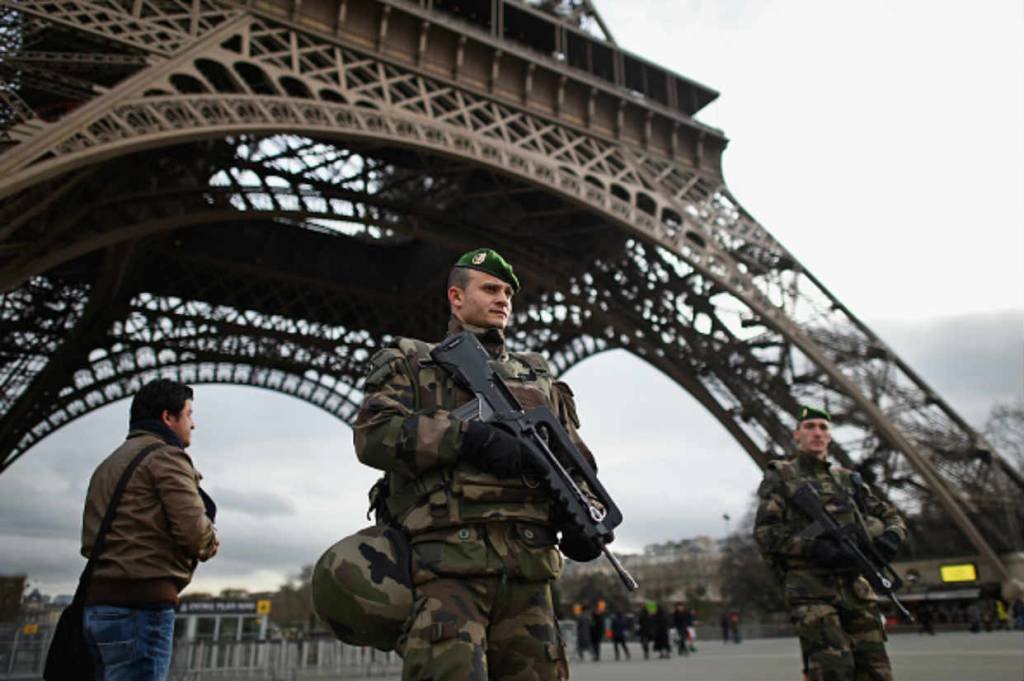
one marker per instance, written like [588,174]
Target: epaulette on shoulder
[784,467]
[567,401]
[382,366]
[415,348]
[775,471]
[384,358]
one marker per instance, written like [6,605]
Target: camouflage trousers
[480,628]
[842,639]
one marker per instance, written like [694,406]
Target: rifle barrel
[624,575]
[899,606]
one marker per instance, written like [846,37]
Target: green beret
[490,261]
[806,413]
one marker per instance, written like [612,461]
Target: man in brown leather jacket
[162,528]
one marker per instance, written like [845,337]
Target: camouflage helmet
[362,587]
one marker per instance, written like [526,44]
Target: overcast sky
[881,142]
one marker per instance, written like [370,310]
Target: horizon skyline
[714,541]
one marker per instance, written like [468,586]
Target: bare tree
[748,582]
[1005,430]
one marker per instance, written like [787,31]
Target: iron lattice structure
[264,192]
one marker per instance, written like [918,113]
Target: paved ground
[997,656]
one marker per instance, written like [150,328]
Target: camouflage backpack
[362,587]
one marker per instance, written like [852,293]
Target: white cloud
[879,141]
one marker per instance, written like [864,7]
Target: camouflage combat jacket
[460,520]
[778,525]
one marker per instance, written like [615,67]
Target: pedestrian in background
[619,634]
[662,624]
[582,633]
[680,623]
[924,619]
[734,625]
[1018,612]
[596,633]
[645,628]
[162,527]
[1002,615]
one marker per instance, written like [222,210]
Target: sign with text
[958,572]
[219,607]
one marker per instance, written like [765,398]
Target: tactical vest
[805,581]
[462,494]
[838,488]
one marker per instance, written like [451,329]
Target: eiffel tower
[262,192]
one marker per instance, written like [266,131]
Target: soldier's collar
[492,339]
[811,462]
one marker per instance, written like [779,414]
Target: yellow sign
[30,629]
[263,606]
[961,572]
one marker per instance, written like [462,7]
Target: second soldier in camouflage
[833,608]
[484,553]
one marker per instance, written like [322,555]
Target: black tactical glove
[827,552]
[492,449]
[579,548]
[887,544]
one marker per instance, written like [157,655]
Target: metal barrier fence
[22,658]
[279,659]
[22,655]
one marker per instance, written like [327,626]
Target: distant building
[671,572]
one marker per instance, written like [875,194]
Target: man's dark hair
[459,276]
[157,396]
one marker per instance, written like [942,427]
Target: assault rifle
[545,443]
[875,569]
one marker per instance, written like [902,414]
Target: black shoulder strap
[108,519]
[858,492]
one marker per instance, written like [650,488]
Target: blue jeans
[129,644]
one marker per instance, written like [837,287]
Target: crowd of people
[981,615]
[659,631]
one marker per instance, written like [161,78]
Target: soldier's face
[486,301]
[181,424]
[813,436]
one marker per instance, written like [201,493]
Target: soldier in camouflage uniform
[484,552]
[833,608]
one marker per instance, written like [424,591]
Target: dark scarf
[160,429]
[493,339]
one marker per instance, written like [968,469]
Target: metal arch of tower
[675,270]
